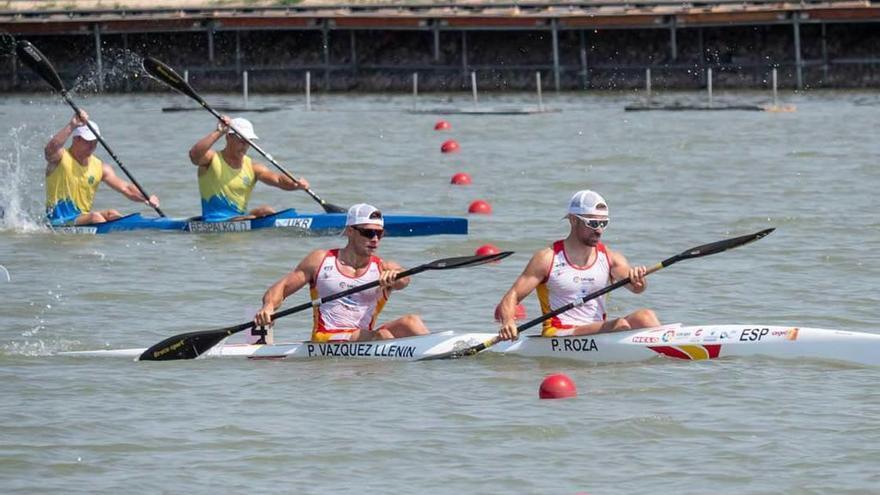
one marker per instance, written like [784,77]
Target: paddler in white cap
[572,268]
[329,271]
[73,175]
[227,177]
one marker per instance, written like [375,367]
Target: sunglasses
[594,223]
[370,233]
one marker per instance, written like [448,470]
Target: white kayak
[669,341]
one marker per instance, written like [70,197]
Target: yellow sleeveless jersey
[226,191]
[71,187]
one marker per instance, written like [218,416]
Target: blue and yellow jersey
[71,187]
[226,191]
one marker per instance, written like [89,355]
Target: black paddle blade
[33,58]
[331,208]
[719,246]
[188,345]
[167,75]
[461,261]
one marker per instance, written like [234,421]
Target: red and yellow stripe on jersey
[339,319]
[567,282]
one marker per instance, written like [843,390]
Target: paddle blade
[331,208]
[462,261]
[719,246]
[167,75]
[188,345]
[33,58]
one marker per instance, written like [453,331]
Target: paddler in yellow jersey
[329,271]
[227,177]
[572,268]
[73,175]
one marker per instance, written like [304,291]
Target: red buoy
[487,249]
[557,386]
[480,207]
[450,146]
[461,179]
[442,125]
[519,315]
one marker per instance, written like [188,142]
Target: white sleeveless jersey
[355,312]
[566,283]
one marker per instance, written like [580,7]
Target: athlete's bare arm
[281,181]
[533,274]
[295,280]
[621,269]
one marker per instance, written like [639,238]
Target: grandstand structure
[377,46]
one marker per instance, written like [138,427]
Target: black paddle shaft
[191,345]
[33,58]
[169,76]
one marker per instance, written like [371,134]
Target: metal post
[775,92]
[673,39]
[709,84]
[798,61]
[474,87]
[308,91]
[125,50]
[585,74]
[14,61]
[354,55]
[98,60]
[648,83]
[415,89]
[436,41]
[210,29]
[702,48]
[237,51]
[555,35]
[464,60]
[244,84]
[325,42]
[540,98]
[824,56]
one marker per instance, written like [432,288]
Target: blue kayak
[306,223]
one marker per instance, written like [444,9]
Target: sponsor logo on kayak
[573,345]
[668,335]
[642,339]
[361,349]
[76,230]
[297,223]
[207,227]
[712,336]
[788,333]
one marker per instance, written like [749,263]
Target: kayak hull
[697,343]
[289,219]
[693,343]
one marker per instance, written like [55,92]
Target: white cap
[587,202]
[244,126]
[86,133]
[364,214]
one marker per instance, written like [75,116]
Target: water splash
[120,67]
[7,44]
[21,193]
